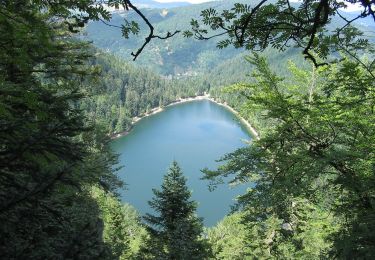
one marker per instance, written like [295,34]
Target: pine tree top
[172,202]
[176,228]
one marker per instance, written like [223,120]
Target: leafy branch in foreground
[132,27]
[282,24]
[318,148]
[151,34]
[75,14]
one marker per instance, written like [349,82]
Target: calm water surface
[195,134]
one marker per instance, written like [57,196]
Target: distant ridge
[182,57]
[155,4]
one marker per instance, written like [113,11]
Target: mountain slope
[176,56]
[173,56]
[156,4]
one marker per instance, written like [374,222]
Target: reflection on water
[195,134]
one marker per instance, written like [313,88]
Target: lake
[195,134]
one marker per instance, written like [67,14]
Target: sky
[190,1]
[350,8]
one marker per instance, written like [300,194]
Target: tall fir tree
[175,233]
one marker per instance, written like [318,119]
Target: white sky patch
[111,9]
[353,7]
[350,7]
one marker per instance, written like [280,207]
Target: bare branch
[151,34]
[249,17]
[127,5]
[318,22]
[201,37]
[110,25]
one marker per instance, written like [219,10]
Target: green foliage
[303,232]
[317,27]
[313,166]
[176,232]
[304,236]
[123,231]
[228,238]
[175,56]
[122,92]
[129,27]
[49,155]
[316,153]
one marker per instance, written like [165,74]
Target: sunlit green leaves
[314,157]
[128,28]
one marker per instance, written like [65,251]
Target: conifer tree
[175,232]
[49,154]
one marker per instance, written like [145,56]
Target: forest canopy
[311,172]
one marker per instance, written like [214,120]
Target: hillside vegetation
[310,174]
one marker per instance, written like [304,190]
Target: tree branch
[151,34]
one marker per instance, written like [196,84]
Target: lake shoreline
[156,110]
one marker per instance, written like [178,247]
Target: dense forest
[123,92]
[308,88]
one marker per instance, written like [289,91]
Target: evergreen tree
[49,156]
[175,232]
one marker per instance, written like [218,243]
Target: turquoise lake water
[195,134]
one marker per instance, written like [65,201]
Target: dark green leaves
[176,230]
[129,28]
[307,25]
[49,154]
[314,157]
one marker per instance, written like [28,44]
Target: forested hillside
[310,174]
[179,56]
[312,166]
[191,66]
[168,57]
[51,155]
[123,91]
[156,4]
